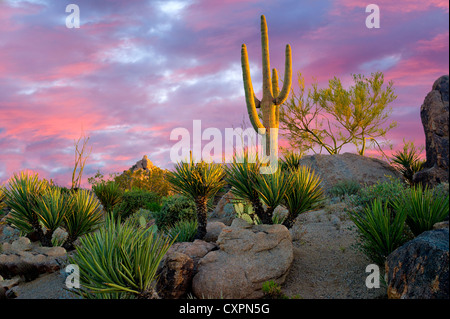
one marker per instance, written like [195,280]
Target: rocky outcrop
[179,266]
[175,276]
[144,164]
[29,260]
[434,114]
[348,166]
[419,268]
[248,256]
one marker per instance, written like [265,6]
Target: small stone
[21,244]
[8,284]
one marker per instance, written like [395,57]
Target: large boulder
[348,166]
[248,256]
[178,266]
[419,268]
[434,114]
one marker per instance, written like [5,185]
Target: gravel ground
[327,264]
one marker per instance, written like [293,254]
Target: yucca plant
[109,193]
[272,189]
[242,175]
[381,230]
[51,209]
[291,160]
[408,162]
[119,261]
[21,195]
[183,231]
[84,217]
[199,181]
[423,208]
[304,192]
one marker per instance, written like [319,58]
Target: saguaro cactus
[272,97]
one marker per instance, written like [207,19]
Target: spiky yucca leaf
[272,189]
[423,208]
[242,175]
[109,194]
[380,229]
[20,195]
[85,216]
[305,191]
[408,162]
[119,261]
[183,231]
[51,208]
[291,160]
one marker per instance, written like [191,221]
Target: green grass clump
[345,187]
[183,231]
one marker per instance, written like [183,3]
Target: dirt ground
[327,263]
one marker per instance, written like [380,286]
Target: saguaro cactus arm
[250,97]
[287,78]
[267,84]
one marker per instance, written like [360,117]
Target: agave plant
[51,208]
[304,192]
[84,217]
[119,261]
[199,181]
[423,208]
[21,195]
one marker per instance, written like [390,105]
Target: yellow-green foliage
[154,180]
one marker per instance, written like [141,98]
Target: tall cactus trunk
[272,98]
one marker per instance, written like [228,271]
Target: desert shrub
[154,180]
[109,193]
[422,208]
[174,209]
[119,261]
[381,230]
[143,218]
[383,191]
[134,200]
[153,207]
[84,217]
[345,187]
[441,189]
[183,231]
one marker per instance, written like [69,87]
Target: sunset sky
[135,70]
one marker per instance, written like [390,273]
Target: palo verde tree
[272,97]
[334,116]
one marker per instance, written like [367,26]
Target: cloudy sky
[135,70]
